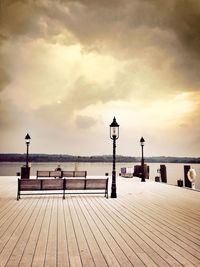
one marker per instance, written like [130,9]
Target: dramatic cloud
[67,67]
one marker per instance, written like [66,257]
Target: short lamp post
[27,138]
[114,135]
[142,141]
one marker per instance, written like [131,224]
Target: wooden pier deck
[149,224]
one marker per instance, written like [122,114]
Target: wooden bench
[62,186]
[40,185]
[61,174]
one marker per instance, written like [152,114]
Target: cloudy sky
[68,67]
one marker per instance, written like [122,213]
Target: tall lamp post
[114,135]
[142,160]
[27,138]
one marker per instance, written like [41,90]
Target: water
[175,171]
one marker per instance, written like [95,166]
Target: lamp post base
[113,195]
[25,172]
[113,191]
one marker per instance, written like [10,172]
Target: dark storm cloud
[183,17]
[127,29]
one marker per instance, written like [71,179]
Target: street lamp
[27,138]
[114,135]
[142,160]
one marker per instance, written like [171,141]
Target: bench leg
[18,196]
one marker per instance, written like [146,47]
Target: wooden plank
[40,250]
[153,246]
[13,234]
[176,251]
[9,217]
[113,224]
[96,252]
[84,250]
[73,249]
[62,249]
[110,255]
[23,238]
[185,241]
[173,220]
[108,224]
[28,253]
[51,247]
[140,240]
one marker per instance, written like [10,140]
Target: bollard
[180,183]
[163,173]
[187,181]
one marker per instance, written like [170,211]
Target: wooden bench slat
[74,184]
[29,184]
[55,174]
[80,173]
[52,184]
[96,183]
[68,173]
[42,173]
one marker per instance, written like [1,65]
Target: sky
[68,67]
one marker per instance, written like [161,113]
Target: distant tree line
[14,157]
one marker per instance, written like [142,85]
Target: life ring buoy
[191,175]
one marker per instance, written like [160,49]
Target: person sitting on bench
[58,169]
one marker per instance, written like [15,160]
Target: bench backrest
[72,174]
[43,173]
[96,184]
[61,184]
[52,184]
[55,174]
[68,173]
[40,184]
[80,174]
[74,184]
[29,184]
[61,174]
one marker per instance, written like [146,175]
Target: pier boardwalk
[149,224]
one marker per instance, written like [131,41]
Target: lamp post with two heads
[114,135]
[142,141]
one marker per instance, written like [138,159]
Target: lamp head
[142,141]
[114,129]
[27,138]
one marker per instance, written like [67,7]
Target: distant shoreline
[15,157]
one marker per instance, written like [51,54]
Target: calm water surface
[174,171]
